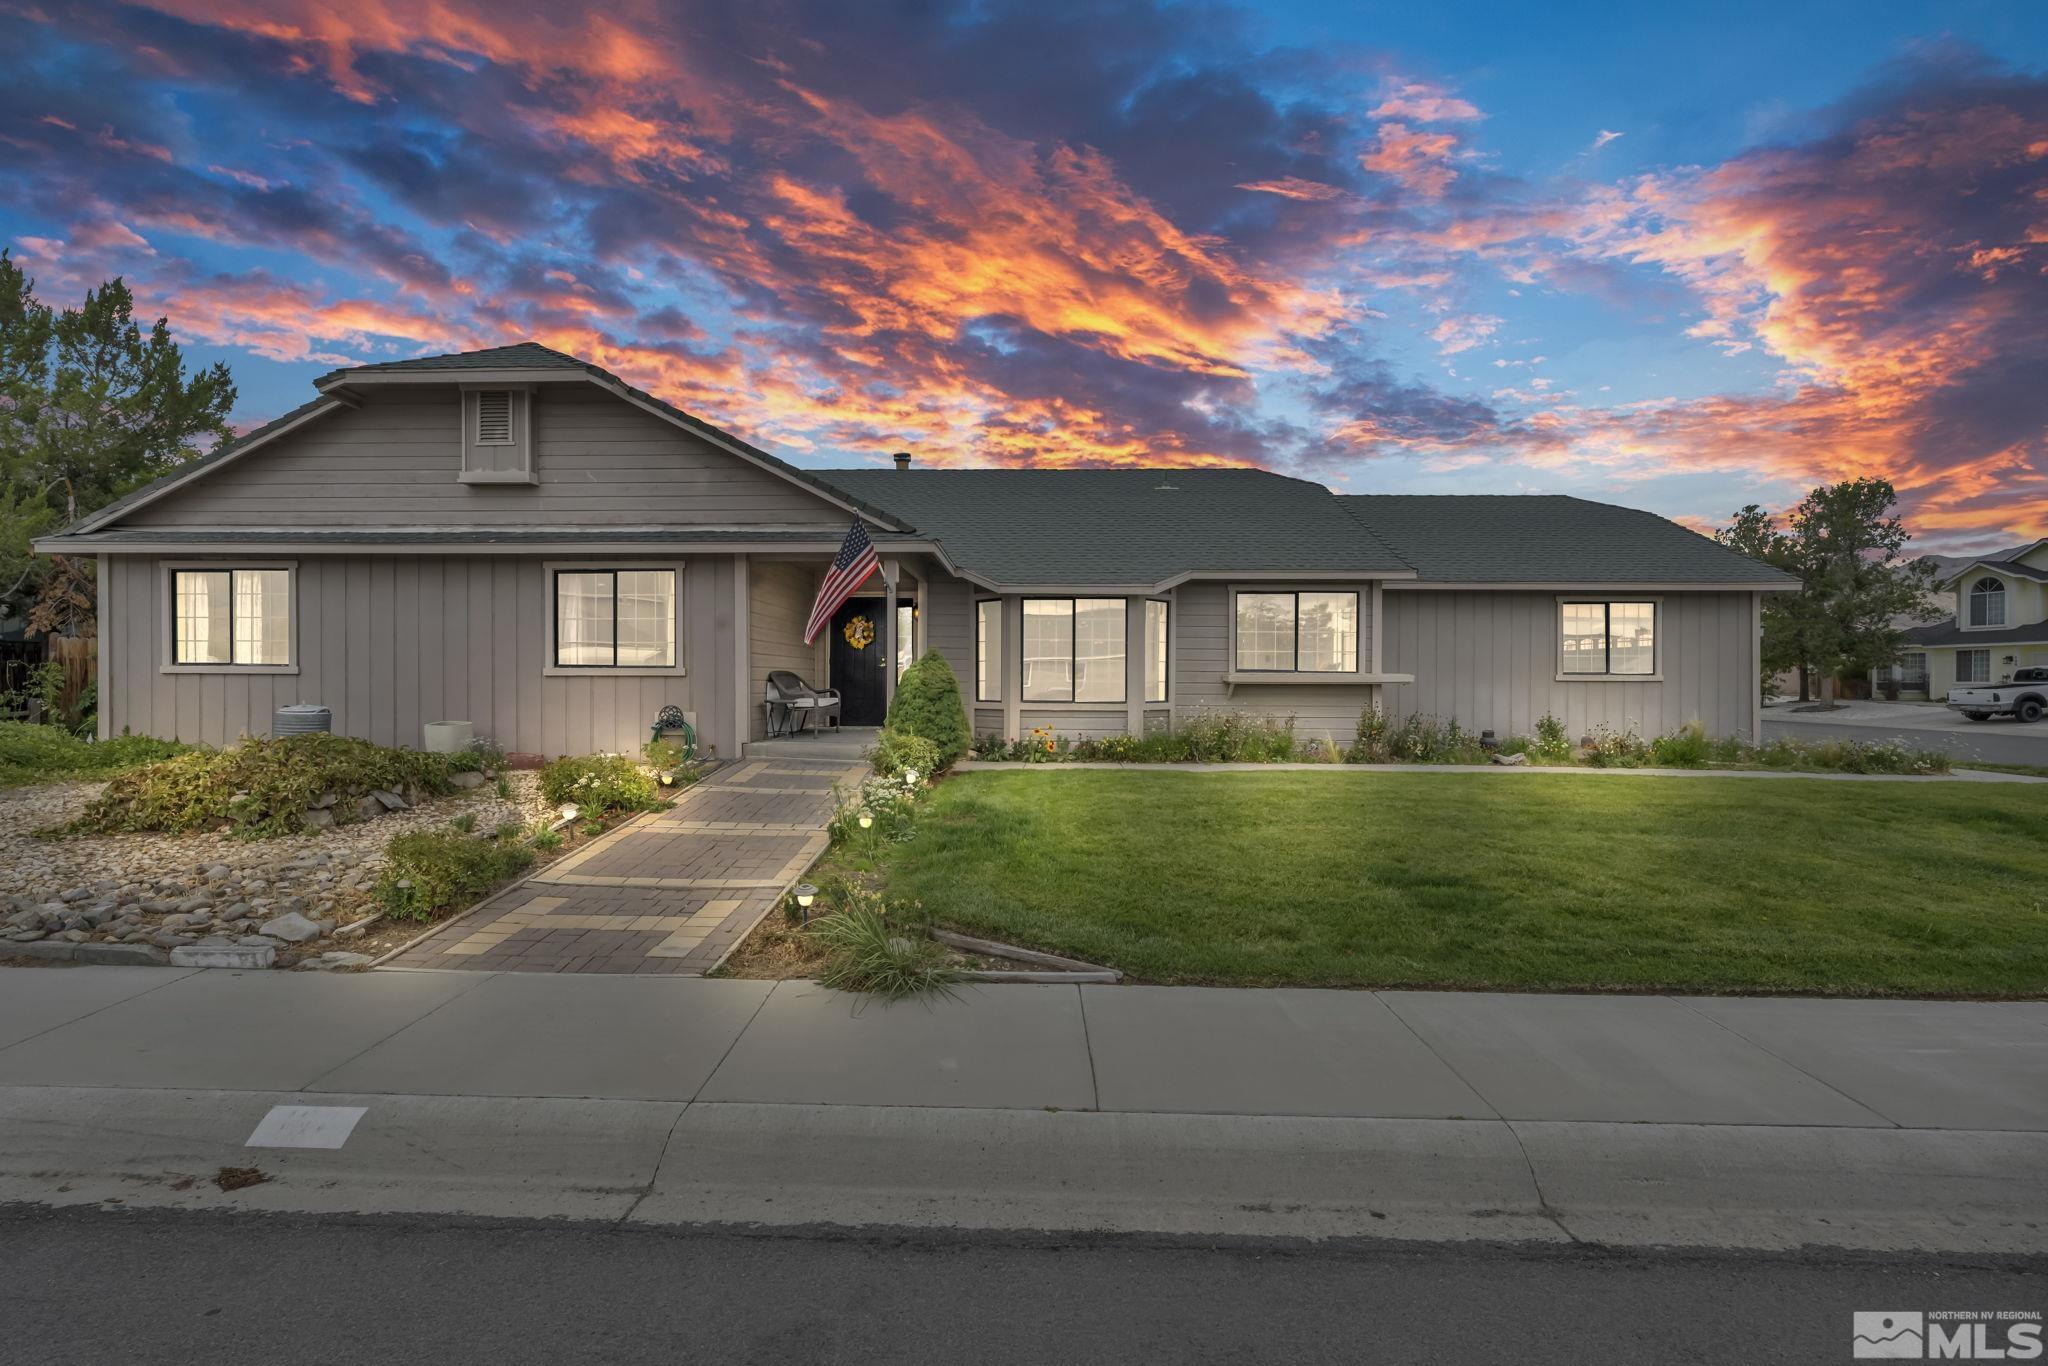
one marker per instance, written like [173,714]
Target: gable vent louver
[494,417]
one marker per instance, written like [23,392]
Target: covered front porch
[861,652]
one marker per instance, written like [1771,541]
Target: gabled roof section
[1140,527]
[521,358]
[518,356]
[192,469]
[2008,568]
[1549,538]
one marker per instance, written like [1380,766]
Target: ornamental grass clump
[869,953]
[435,871]
[262,788]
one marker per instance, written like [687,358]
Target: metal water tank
[301,718]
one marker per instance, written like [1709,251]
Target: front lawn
[1473,880]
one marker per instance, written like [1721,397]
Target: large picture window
[231,617]
[615,618]
[1297,632]
[988,650]
[1607,639]
[1155,651]
[1073,650]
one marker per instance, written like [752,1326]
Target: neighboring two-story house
[2000,622]
[521,540]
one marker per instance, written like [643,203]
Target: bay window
[1297,632]
[1073,650]
[231,617]
[615,618]
[1607,639]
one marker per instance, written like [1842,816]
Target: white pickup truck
[2025,698]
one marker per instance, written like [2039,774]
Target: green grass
[1561,880]
[49,754]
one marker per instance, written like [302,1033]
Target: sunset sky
[1682,257]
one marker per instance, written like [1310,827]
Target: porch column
[1013,667]
[745,704]
[1135,662]
[890,568]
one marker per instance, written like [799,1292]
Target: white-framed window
[1987,602]
[1973,666]
[1073,650]
[988,650]
[1607,639]
[1156,638]
[230,617]
[1297,632]
[614,618]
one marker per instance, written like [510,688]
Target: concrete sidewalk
[1629,1121]
[1162,1050]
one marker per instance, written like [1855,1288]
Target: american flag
[850,569]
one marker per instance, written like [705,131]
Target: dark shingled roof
[1950,632]
[518,356]
[369,535]
[1123,526]
[1547,538]
[1996,567]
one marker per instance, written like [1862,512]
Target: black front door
[857,670]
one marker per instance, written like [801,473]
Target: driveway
[667,894]
[1920,725]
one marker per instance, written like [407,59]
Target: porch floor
[842,744]
[671,892]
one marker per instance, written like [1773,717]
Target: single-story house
[2000,622]
[519,539]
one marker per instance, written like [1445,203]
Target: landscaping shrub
[1552,743]
[263,788]
[927,704]
[40,754]
[897,752]
[1370,745]
[1416,739]
[870,954]
[1227,737]
[440,870]
[1686,747]
[1607,747]
[891,803]
[598,783]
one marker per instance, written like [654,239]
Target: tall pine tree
[91,407]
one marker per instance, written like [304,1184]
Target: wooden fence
[80,656]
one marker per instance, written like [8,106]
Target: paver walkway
[671,892]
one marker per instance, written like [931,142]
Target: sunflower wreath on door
[859,632]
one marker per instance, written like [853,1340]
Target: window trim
[1123,692]
[1360,625]
[1165,699]
[1656,606]
[167,598]
[995,664]
[552,611]
[2003,596]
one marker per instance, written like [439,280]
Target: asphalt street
[88,1286]
[1986,742]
